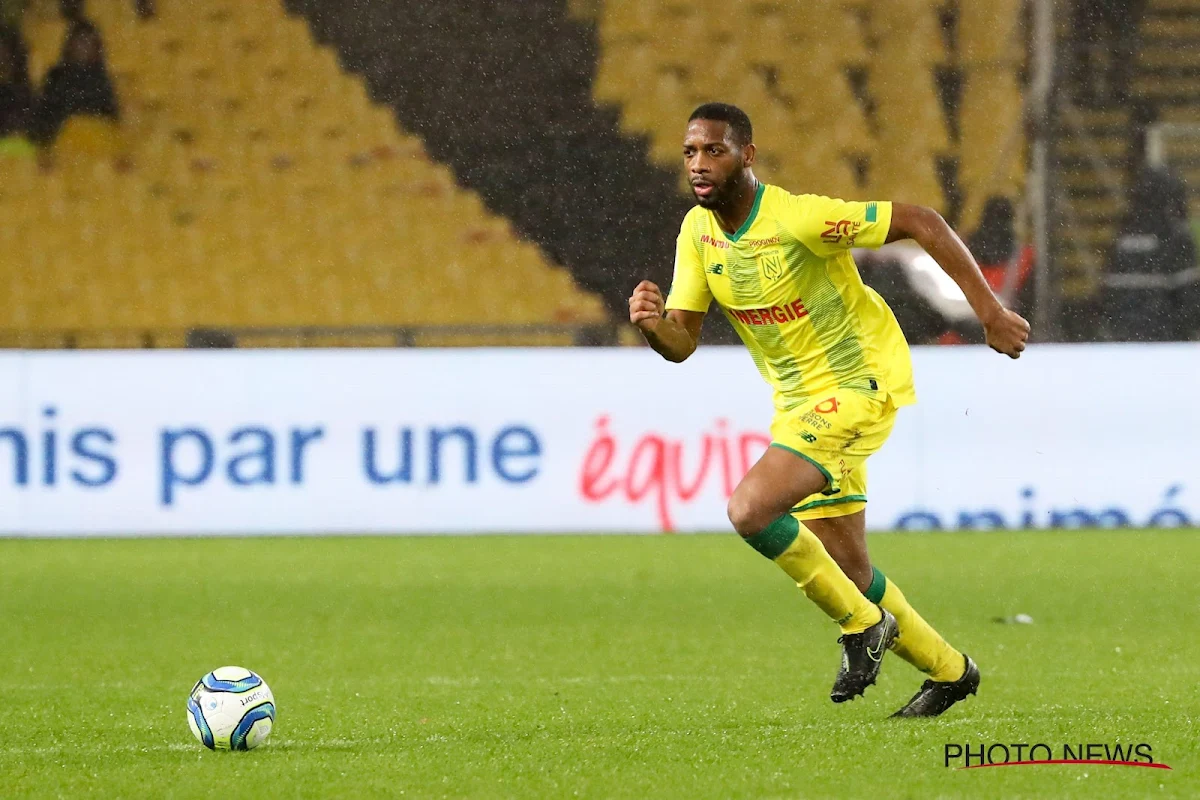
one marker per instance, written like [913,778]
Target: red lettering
[654,478]
[753,315]
[727,480]
[778,314]
[686,493]
[742,316]
[799,308]
[595,464]
[654,469]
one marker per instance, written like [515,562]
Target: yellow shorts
[835,432]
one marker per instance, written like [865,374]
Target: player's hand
[1007,332]
[646,306]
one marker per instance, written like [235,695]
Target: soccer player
[779,267]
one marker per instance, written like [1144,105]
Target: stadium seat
[265,189]
[799,72]
[991,121]
[990,33]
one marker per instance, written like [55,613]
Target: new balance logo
[716,269]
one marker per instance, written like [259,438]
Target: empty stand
[258,186]
[502,92]
[831,85]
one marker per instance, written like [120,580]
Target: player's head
[718,149]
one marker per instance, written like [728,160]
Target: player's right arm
[672,327]
[675,335]
[1005,331]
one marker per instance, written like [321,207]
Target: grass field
[601,667]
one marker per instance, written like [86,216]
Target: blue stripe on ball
[237,741]
[215,684]
[206,736]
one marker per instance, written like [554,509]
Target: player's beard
[720,195]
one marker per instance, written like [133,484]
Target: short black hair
[734,117]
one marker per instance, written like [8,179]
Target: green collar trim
[758,195]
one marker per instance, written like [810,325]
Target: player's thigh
[845,539]
[772,487]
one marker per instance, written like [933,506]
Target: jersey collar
[740,232]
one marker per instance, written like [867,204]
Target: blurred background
[246,173]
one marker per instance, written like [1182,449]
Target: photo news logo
[973,756]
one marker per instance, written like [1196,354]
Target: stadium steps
[1089,216]
[1168,78]
[265,190]
[502,94]
[1164,79]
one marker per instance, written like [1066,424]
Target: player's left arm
[1006,331]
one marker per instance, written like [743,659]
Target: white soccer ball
[231,708]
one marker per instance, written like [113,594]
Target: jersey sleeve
[689,286]
[826,225]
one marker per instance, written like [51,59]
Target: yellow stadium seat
[991,33]
[627,19]
[266,189]
[90,136]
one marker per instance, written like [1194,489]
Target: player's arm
[1006,331]
[673,335]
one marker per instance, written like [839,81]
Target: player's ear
[748,155]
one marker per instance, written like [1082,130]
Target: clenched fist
[646,306]
[1007,332]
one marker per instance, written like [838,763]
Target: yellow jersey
[791,290]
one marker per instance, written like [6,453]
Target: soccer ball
[231,708]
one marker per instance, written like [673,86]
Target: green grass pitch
[605,667]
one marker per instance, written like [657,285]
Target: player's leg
[919,644]
[760,511]
[952,675]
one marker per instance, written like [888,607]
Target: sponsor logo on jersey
[720,244]
[757,243]
[841,229]
[771,315]
[828,406]
[716,269]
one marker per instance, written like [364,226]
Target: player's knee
[746,516]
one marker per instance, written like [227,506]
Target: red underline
[1069,761]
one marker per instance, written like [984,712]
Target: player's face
[714,163]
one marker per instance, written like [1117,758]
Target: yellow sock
[802,556]
[918,643]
